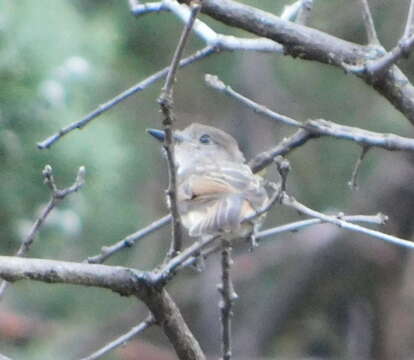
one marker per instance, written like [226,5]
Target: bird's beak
[158,134]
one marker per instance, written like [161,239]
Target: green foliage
[61,59]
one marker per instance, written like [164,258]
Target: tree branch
[362,137]
[124,281]
[129,241]
[369,24]
[215,83]
[353,182]
[304,12]
[228,297]
[313,129]
[206,33]
[149,7]
[377,68]
[311,44]
[294,11]
[122,340]
[409,26]
[45,144]
[378,219]
[57,196]
[166,103]
[265,158]
[168,316]
[291,202]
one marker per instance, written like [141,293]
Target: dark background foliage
[312,293]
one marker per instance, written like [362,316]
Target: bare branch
[146,8]
[57,196]
[214,82]
[168,316]
[129,241]
[228,297]
[122,340]
[124,281]
[273,199]
[169,81]
[206,33]
[378,219]
[363,137]
[311,44]
[166,103]
[296,10]
[353,182]
[265,158]
[123,96]
[167,271]
[376,69]
[304,12]
[369,24]
[291,202]
[409,26]
[319,127]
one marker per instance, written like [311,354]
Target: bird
[216,189]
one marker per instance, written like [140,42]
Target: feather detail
[221,215]
[216,197]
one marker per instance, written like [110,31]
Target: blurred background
[322,293]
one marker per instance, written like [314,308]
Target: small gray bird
[216,189]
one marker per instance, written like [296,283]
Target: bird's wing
[213,200]
[219,215]
[215,181]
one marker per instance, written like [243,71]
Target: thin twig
[353,182]
[168,269]
[269,204]
[311,44]
[296,226]
[369,24]
[293,11]
[172,71]
[122,340]
[291,202]
[56,197]
[378,67]
[283,168]
[214,82]
[166,103]
[146,8]
[375,69]
[390,142]
[129,241]
[228,297]
[409,26]
[206,33]
[304,12]
[265,158]
[378,219]
[121,97]
[319,127]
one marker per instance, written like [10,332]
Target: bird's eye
[205,139]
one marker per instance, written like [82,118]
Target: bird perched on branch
[216,189]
